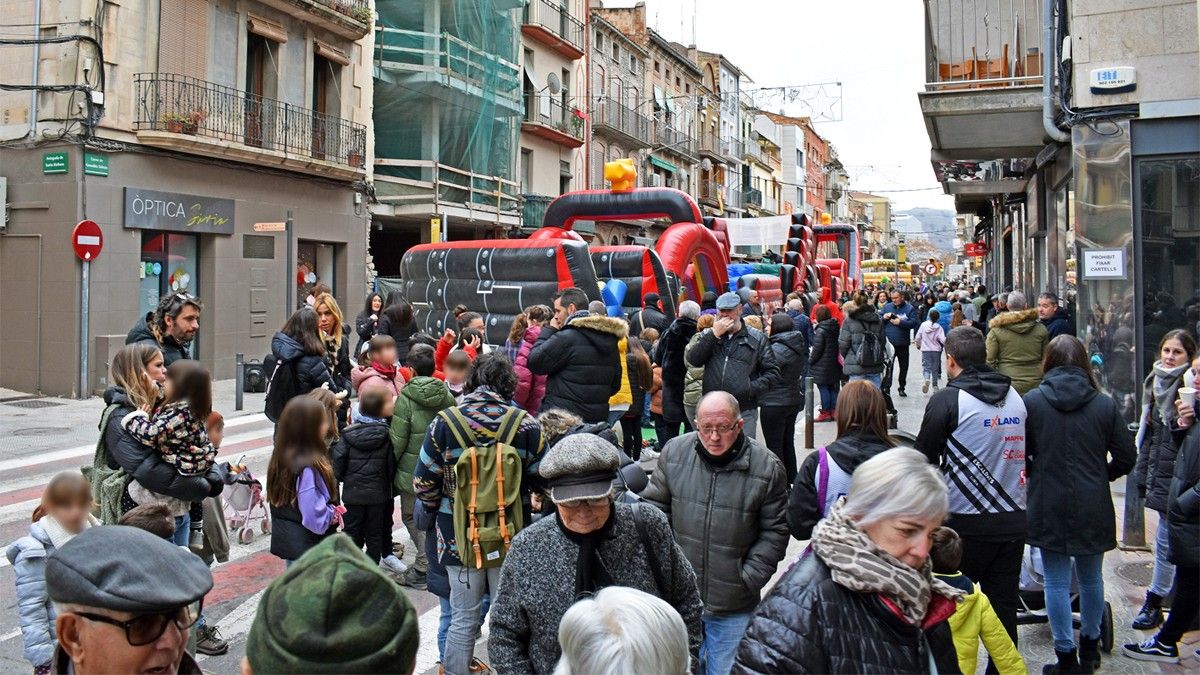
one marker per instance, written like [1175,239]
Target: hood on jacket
[284,346]
[425,391]
[793,340]
[983,383]
[366,435]
[825,295]
[141,331]
[115,395]
[830,323]
[863,313]
[1067,388]
[855,448]
[600,324]
[361,374]
[1018,322]
[531,334]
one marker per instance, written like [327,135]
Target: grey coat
[730,521]
[537,586]
[34,609]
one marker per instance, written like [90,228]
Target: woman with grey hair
[622,630]
[866,599]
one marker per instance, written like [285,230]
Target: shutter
[183,38]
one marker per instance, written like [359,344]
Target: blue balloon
[614,294]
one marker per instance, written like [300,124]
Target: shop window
[169,264]
[314,264]
[1169,209]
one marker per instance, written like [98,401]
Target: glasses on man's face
[589,503]
[147,628]
[720,429]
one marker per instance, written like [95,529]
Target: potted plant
[193,120]
[362,14]
[173,122]
[355,159]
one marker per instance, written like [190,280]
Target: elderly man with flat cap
[125,601]
[589,543]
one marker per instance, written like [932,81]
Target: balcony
[732,150]
[754,152]
[982,97]
[621,123]
[735,201]
[712,193]
[550,23]
[763,202]
[189,115]
[710,146]
[533,210]
[351,19]
[418,187]
[754,197]
[673,140]
[546,117]
[448,69]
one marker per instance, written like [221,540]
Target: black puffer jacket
[669,355]
[859,321]
[1183,514]
[823,358]
[364,462]
[810,624]
[1156,458]
[1070,433]
[649,317]
[581,363]
[366,327]
[171,350]
[311,369]
[145,465]
[791,354]
[741,364]
[849,451]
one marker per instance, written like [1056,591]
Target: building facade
[719,131]
[178,126]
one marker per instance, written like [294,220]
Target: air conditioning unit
[656,180]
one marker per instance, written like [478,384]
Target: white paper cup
[1187,395]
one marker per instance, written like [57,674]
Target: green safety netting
[448,91]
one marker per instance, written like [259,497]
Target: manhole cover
[1137,573]
[37,431]
[33,403]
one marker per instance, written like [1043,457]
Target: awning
[267,28]
[659,98]
[330,52]
[663,164]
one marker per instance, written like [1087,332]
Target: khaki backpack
[487,489]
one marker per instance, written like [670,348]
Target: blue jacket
[945,313]
[902,334]
[28,557]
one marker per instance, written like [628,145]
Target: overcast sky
[873,47]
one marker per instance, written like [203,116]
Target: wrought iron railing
[754,197]
[447,55]
[550,111]
[359,10]
[621,118]
[753,151]
[673,139]
[735,198]
[710,144]
[533,210]
[557,18]
[185,105]
[711,190]
[973,44]
[731,147]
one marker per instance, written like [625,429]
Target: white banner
[771,231]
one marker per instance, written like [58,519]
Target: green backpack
[487,489]
[108,484]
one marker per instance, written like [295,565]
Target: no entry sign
[87,240]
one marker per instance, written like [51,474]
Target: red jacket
[835,310]
[444,347]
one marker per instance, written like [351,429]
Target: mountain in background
[934,225]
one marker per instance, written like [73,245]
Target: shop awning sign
[177,212]
[1104,263]
[975,249]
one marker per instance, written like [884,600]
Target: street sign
[931,269]
[270,227]
[54,162]
[94,164]
[87,240]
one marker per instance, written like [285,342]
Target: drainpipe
[1049,61]
[37,55]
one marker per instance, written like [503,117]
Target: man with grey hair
[726,496]
[1016,342]
[125,600]
[974,429]
[800,322]
[668,354]
[1056,319]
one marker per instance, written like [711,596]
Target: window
[169,264]
[261,81]
[327,100]
[687,88]
[564,177]
[678,81]
[633,64]
[656,65]
[526,170]
[600,42]
[616,52]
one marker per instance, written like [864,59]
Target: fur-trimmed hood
[1022,321]
[601,324]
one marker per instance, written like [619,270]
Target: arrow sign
[270,227]
[87,240]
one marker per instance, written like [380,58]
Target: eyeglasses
[147,628]
[721,429]
[590,503]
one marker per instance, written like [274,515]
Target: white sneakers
[394,565]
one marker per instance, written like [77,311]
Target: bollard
[1133,521]
[239,380]
[808,412]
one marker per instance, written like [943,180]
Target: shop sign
[94,164]
[154,210]
[975,250]
[54,162]
[1104,263]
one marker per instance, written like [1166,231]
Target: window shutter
[183,38]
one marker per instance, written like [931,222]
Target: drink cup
[1188,396]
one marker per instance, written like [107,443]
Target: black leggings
[1185,606]
[631,435]
[779,433]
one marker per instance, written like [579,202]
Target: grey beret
[580,466]
[729,301]
[125,569]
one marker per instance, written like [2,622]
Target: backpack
[487,489]
[108,484]
[828,469]
[870,350]
[283,386]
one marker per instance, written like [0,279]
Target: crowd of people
[530,511]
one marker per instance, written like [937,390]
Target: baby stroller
[1032,602]
[245,507]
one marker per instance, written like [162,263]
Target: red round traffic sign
[87,240]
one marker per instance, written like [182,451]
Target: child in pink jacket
[930,340]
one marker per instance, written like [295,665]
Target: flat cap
[125,569]
[729,301]
[580,466]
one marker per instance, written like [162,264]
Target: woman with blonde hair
[335,334]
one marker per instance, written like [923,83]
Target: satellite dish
[553,84]
[706,164]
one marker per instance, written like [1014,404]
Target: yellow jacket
[625,395]
[975,620]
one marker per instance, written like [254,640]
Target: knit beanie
[333,611]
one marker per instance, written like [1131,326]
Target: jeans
[631,436]
[751,418]
[183,530]
[722,633]
[874,378]
[467,588]
[1164,571]
[996,566]
[779,433]
[931,366]
[615,415]
[443,627]
[408,503]
[1185,606]
[828,397]
[1089,569]
[902,354]
[370,524]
